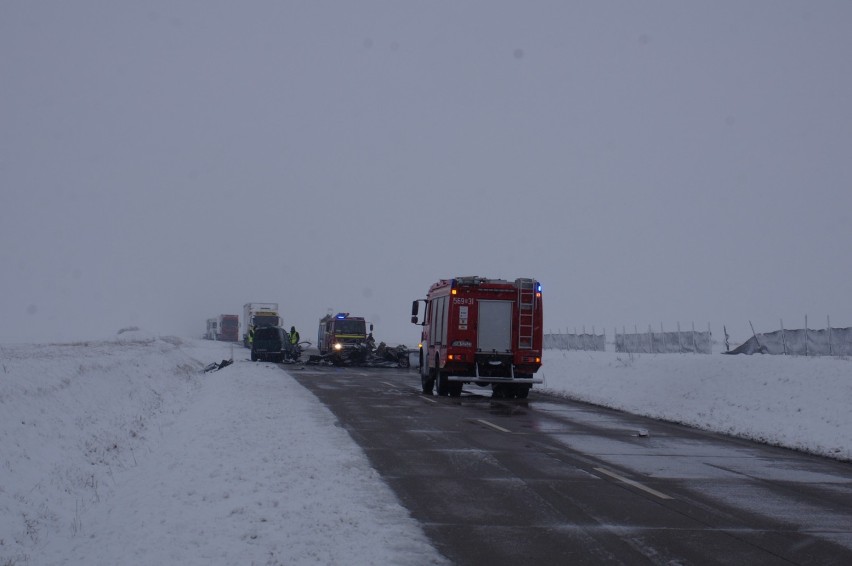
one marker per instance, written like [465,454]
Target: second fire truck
[341,332]
[483,331]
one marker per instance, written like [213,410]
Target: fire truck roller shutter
[495,326]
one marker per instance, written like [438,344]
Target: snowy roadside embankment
[123,452]
[795,402]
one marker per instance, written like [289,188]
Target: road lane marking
[492,425]
[635,484]
[429,399]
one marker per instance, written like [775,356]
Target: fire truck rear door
[495,326]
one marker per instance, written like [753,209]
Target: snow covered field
[124,452]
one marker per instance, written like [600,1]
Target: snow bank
[795,402]
[124,452]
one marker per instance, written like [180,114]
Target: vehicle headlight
[338,346]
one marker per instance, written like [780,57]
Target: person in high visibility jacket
[294,336]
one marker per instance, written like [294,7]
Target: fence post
[694,347]
[783,337]
[692,338]
[806,336]
[828,321]
[753,333]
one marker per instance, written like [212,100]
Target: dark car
[270,344]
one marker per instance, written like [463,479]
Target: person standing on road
[294,336]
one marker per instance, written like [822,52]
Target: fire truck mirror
[415,309]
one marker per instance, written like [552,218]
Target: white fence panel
[596,342]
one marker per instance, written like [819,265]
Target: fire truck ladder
[526,310]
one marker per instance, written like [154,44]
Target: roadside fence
[662,342]
[567,341]
[799,342]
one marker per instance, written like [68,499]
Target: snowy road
[555,481]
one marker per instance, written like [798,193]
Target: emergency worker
[294,336]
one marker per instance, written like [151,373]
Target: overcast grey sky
[649,161]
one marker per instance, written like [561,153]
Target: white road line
[635,484]
[492,425]
[429,399]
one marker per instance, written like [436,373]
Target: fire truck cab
[482,331]
[341,332]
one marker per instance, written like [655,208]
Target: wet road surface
[551,481]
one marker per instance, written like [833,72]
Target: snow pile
[796,402]
[124,452]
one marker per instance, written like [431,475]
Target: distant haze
[649,162]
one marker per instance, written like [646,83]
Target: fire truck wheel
[522,390]
[427,381]
[455,388]
[441,385]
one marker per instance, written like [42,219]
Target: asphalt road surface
[550,481]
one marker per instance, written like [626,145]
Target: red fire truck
[341,332]
[483,331]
